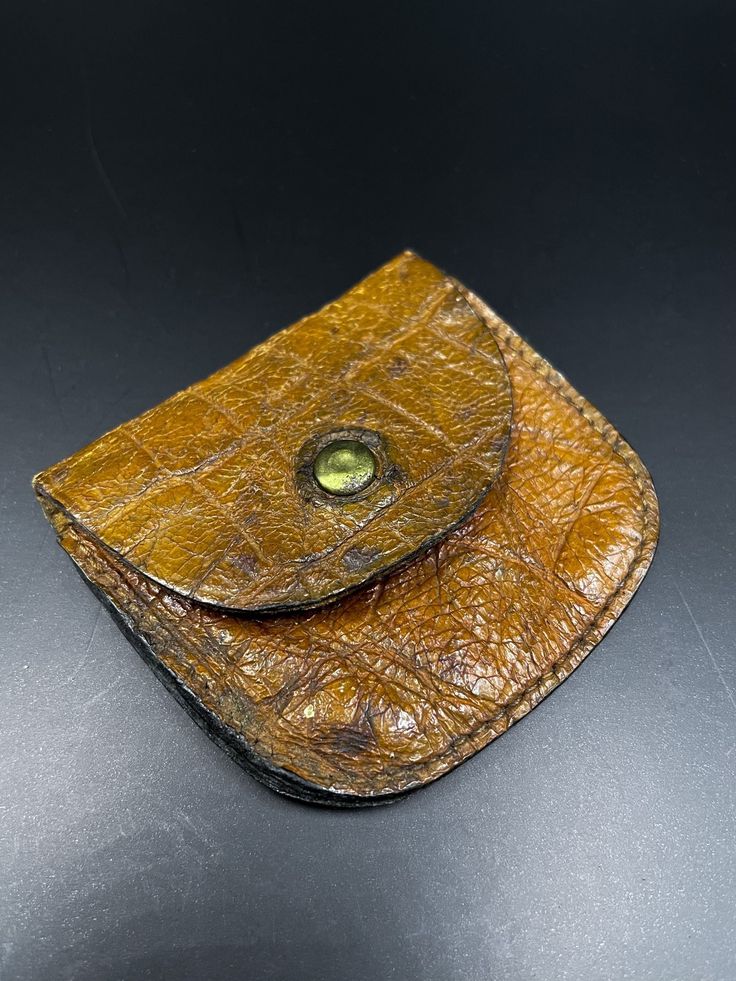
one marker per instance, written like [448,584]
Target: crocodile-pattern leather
[200,493]
[388,688]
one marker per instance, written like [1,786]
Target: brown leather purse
[364,549]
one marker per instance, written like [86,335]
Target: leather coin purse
[363,550]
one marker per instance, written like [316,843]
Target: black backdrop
[179,180]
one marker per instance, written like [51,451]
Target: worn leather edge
[238,749]
[286,782]
[509,340]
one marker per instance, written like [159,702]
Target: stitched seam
[530,357]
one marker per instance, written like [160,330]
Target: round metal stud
[344,467]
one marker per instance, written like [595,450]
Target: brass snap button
[344,467]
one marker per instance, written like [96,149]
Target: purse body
[348,647]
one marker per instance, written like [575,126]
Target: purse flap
[337,450]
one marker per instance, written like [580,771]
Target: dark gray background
[177,182]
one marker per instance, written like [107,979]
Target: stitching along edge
[467,745]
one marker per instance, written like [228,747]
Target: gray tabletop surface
[176,183]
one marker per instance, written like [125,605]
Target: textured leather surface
[392,686]
[201,493]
